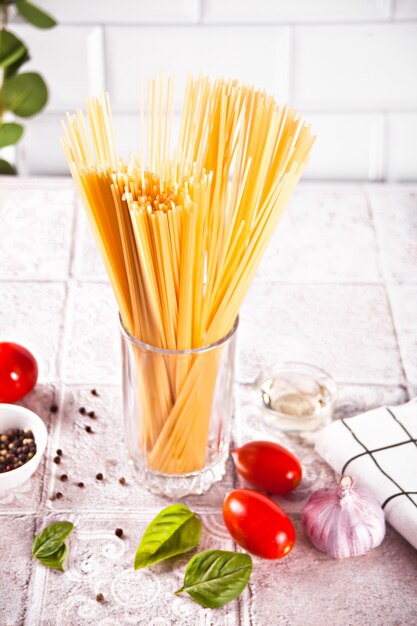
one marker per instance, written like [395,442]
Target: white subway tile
[356,66]
[122,11]
[405,9]
[258,56]
[127,133]
[40,152]
[402,146]
[343,149]
[64,57]
[31,314]
[267,11]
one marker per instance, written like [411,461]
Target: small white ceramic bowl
[14,416]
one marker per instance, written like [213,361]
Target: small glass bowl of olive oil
[297,396]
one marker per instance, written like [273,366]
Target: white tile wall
[349,65]
[127,132]
[40,152]
[68,58]
[402,137]
[258,56]
[123,11]
[405,9]
[262,11]
[364,66]
[346,147]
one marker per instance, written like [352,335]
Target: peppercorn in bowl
[23,438]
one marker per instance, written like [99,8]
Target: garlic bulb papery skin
[344,520]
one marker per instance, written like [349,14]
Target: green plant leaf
[6,168]
[25,94]
[12,69]
[50,539]
[215,577]
[36,16]
[56,560]
[175,530]
[10,133]
[11,48]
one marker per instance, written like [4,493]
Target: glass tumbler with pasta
[177,432]
[181,233]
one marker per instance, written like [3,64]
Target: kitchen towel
[379,450]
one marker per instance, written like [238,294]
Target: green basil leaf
[55,560]
[215,577]
[10,133]
[11,48]
[35,15]
[175,530]
[25,94]
[6,168]
[50,539]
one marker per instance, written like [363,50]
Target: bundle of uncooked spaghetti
[181,234]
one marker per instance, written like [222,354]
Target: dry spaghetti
[181,234]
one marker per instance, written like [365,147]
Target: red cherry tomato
[268,466]
[258,524]
[18,371]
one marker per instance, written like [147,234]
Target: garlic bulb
[343,520]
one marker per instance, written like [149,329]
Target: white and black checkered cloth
[379,450]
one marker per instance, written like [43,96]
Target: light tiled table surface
[338,287]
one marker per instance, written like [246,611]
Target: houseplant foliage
[23,94]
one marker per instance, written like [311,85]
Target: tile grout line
[224,23]
[104,513]
[408,382]
[297,282]
[37,607]
[75,231]
[70,282]
[200,12]
[47,455]
[291,63]
[39,509]
[52,442]
[324,109]
[29,577]
[240,382]
[385,286]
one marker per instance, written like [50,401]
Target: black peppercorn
[88,429]
[53,408]
[122,480]
[64,478]
[118,532]
[94,392]
[80,484]
[100,597]
[99,476]
[59,452]
[57,460]
[59,495]
[82,410]
[17,446]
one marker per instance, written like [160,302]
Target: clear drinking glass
[178,406]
